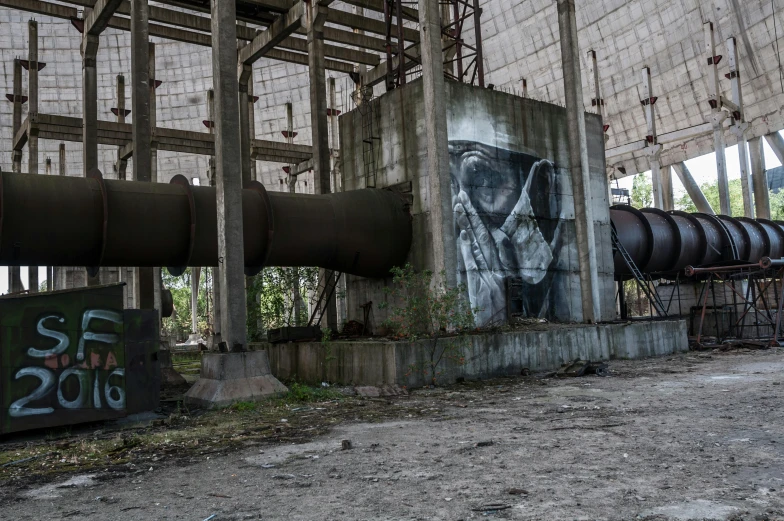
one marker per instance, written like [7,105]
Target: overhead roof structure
[521,42]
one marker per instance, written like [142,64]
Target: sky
[703,169]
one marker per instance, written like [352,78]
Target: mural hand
[484,239]
[486,289]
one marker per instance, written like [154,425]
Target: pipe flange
[182,181]
[96,174]
[762,231]
[648,232]
[738,255]
[733,249]
[676,232]
[258,266]
[696,222]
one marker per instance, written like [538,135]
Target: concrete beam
[228,174]
[369,25]
[693,189]
[759,179]
[776,142]
[435,120]
[579,165]
[284,26]
[378,6]
[100,15]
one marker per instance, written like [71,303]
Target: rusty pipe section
[665,243]
[89,221]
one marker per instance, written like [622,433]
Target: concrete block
[233,377]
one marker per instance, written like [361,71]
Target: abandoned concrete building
[379,194]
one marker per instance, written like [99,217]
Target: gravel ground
[697,436]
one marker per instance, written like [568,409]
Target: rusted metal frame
[747,307]
[704,296]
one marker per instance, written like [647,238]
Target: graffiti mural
[63,358]
[507,228]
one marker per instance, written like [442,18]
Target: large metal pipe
[89,221]
[664,243]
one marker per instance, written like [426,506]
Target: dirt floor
[697,436]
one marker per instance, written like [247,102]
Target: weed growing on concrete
[425,310]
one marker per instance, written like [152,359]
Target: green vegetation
[433,312]
[642,197]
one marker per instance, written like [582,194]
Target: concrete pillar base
[233,377]
[169,377]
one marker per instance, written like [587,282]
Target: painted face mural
[506,212]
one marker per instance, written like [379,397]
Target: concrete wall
[380,363]
[514,212]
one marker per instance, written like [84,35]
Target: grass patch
[302,393]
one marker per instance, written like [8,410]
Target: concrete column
[745,179]
[292,185]
[17,114]
[322,172]
[195,337]
[759,178]
[61,163]
[578,159]
[60,271]
[122,164]
[334,146]
[439,179]
[318,98]
[49,269]
[32,109]
[89,103]
[668,198]
[157,281]
[245,75]
[693,189]
[252,128]
[14,273]
[216,293]
[141,130]
[228,173]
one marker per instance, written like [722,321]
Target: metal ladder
[653,296]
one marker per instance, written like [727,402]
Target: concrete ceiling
[520,41]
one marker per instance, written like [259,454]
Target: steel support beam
[578,162]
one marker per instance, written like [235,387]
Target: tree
[642,192]
[711,191]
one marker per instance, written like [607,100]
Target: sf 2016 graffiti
[82,378]
[62,358]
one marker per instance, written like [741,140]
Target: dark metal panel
[759,245]
[740,237]
[693,240]
[62,358]
[634,233]
[666,241]
[143,369]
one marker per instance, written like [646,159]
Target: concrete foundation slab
[233,377]
[387,363]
